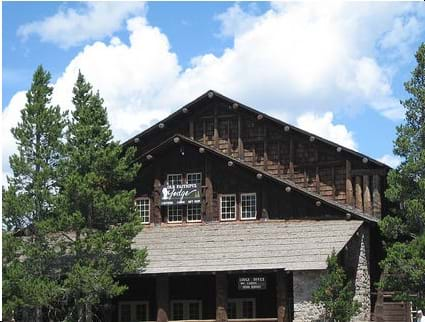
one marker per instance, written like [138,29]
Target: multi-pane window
[195,177]
[132,311]
[175,213]
[241,308]
[142,207]
[228,207]
[248,206]
[194,212]
[186,310]
[174,179]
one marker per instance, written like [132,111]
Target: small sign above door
[252,283]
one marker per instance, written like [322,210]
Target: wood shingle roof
[275,244]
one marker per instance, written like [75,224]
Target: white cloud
[10,117]
[323,126]
[389,159]
[72,27]
[296,58]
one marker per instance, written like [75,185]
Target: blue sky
[336,69]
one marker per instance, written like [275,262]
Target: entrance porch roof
[234,246]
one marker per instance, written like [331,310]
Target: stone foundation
[305,282]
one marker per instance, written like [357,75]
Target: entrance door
[242,308]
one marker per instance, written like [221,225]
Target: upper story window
[228,207]
[175,213]
[194,212]
[174,178]
[195,178]
[133,311]
[143,208]
[248,206]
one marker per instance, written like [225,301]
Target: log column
[359,197]
[221,296]
[281,296]
[348,184]
[162,298]
[366,196]
[157,202]
[376,193]
[209,210]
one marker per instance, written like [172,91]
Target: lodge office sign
[180,194]
[252,283]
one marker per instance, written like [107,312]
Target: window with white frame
[175,213]
[195,177]
[228,207]
[248,206]
[194,212]
[186,310]
[176,178]
[143,208]
[241,308]
[133,311]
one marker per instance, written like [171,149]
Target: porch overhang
[291,245]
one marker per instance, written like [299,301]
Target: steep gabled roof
[334,204]
[209,94]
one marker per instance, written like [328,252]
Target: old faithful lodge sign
[180,194]
[252,283]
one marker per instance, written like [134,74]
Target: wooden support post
[208,192]
[162,298]
[317,181]
[376,194]
[191,130]
[367,202]
[264,201]
[88,313]
[333,182]
[221,296]
[215,138]
[157,219]
[291,157]
[265,154]
[305,178]
[359,195]
[279,162]
[204,132]
[240,142]
[348,184]
[281,296]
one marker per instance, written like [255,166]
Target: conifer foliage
[28,279]
[68,211]
[335,293]
[404,226]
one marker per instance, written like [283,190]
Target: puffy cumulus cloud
[294,58]
[71,27]
[10,118]
[324,126]
[389,159]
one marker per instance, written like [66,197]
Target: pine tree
[334,293]
[28,280]
[404,226]
[96,208]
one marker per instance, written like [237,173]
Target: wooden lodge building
[241,211]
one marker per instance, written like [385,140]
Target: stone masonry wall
[305,282]
[357,264]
